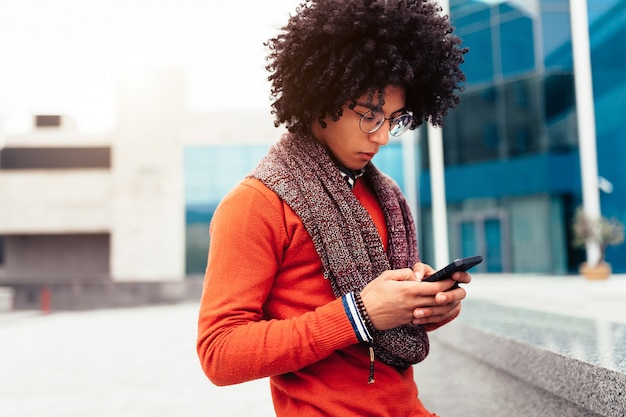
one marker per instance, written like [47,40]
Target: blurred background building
[512,163]
[123,217]
[89,219]
[512,167]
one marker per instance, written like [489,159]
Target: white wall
[148,213]
[55,201]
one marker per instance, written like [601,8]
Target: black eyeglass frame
[404,115]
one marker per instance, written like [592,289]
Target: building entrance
[484,234]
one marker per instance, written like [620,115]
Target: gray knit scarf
[301,172]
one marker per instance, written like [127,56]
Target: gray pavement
[142,361]
[570,295]
[120,362]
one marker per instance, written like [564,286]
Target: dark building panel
[55,158]
[56,258]
[43,120]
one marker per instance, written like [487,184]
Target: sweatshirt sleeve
[236,342]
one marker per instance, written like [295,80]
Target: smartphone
[462,264]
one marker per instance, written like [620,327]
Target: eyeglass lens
[373,120]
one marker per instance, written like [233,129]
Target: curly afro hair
[333,51]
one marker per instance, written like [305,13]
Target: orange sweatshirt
[266,310]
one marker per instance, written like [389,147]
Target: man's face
[351,147]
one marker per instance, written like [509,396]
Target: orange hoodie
[266,310]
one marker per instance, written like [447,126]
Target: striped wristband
[351,302]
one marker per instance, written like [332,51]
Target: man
[313,277]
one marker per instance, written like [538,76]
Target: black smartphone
[462,264]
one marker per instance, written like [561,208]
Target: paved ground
[142,361]
[568,295]
[114,363]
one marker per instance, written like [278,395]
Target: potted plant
[602,231]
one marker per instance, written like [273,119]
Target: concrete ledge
[528,380]
[89,295]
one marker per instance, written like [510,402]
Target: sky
[63,56]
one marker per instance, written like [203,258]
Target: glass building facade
[512,167]
[511,148]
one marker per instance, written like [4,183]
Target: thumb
[421,270]
[405,274]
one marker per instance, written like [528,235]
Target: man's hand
[398,297]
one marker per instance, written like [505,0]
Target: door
[483,234]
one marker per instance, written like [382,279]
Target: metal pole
[586,118]
[438,197]
[438,187]
[411,171]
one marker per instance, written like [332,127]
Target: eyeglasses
[372,121]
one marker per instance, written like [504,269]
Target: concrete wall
[86,294]
[148,209]
[55,201]
[478,373]
[53,259]
[81,231]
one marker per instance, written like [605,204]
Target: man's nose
[381,136]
